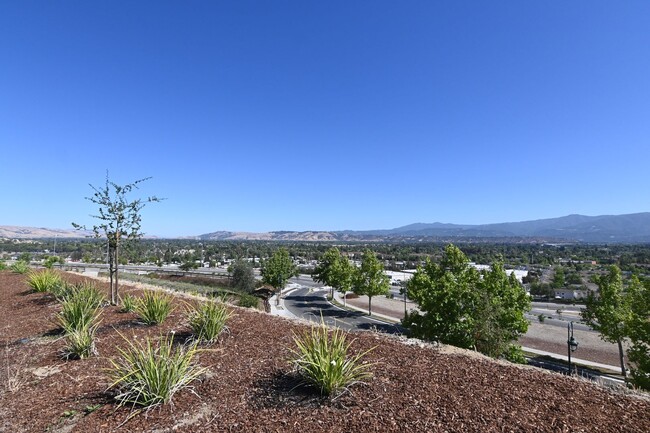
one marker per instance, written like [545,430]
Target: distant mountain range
[18,232]
[630,228]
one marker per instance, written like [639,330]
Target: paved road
[309,303]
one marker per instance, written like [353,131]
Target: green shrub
[248,301]
[146,375]
[3,265]
[20,267]
[515,354]
[44,281]
[208,320]
[80,342]
[154,307]
[51,260]
[128,303]
[322,360]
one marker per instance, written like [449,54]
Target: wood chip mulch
[251,387]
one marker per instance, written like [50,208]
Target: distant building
[570,294]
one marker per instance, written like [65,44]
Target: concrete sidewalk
[278,308]
[342,303]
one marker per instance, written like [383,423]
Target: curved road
[310,304]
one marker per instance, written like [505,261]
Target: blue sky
[304,115]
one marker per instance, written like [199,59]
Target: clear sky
[325,115]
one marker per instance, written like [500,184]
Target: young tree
[608,312]
[344,276]
[500,312]
[119,220]
[463,307]
[638,330]
[242,276]
[335,271]
[370,279]
[446,296]
[277,270]
[558,278]
[325,271]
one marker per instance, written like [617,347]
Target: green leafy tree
[638,330]
[277,270]
[25,257]
[325,271]
[370,279]
[335,270]
[243,277]
[119,220]
[188,265]
[608,312]
[500,312]
[446,296]
[344,276]
[51,261]
[463,307]
[558,278]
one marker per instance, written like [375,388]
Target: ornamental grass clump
[79,318]
[147,375]
[85,292]
[129,303]
[154,307]
[208,320]
[321,358]
[46,281]
[80,341]
[78,313]
[20,267]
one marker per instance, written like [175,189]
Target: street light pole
[404,295]
[572,344]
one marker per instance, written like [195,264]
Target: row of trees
[336,271]
[622,313]
[459,305]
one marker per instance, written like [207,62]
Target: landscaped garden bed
[251,386]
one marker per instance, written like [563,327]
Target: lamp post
[572,344]
[404,287]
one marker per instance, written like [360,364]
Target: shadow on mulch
[54,332]
[182,338]
[283,390]
[46,299]
[122,324]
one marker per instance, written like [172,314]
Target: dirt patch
[252,388]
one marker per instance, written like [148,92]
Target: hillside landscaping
[247,378]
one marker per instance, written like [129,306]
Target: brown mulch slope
[250,386]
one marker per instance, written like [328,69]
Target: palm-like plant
[321,358]
[148,375]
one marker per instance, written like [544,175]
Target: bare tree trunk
[620,354]
[369,305]
[114,294]
[111,270]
